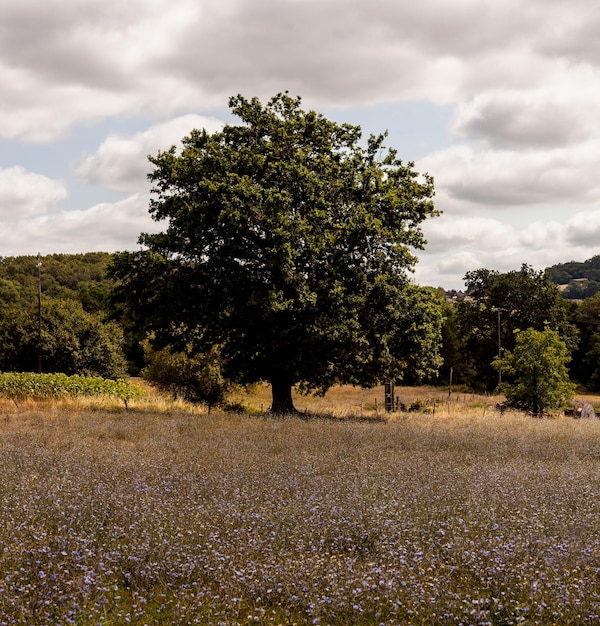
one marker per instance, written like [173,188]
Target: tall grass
[172,518]
[348,401]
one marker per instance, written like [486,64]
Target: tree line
[286,257]
[86,329]
[577,280]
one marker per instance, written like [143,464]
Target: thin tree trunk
[281,389]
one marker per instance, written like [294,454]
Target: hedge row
[22,386]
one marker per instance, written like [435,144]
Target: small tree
[193,377]
[537,373]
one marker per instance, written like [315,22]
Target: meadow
[163,514]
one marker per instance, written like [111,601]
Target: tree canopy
[537,371]
[498,304]
[585,365]
[69,340]
[75,336]
[79,277]
[582,279]
[288,245]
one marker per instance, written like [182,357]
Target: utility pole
[499,309]
[39,346]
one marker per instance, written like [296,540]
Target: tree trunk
[281,389]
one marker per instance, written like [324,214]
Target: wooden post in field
[450,390]
[389,396]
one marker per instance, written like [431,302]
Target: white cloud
[121,162]
[559,108]
[543,236]
[461,244]
[449,232]
[511,178]
[74,61]
[39,113]
[119,223]
[26,194]
[457,245]
[104,227]
[511,120]
[583,229]
[573,35]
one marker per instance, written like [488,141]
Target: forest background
[57,314]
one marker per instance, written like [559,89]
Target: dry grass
[349,401]
[163,515]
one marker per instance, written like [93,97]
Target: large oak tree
[288,245]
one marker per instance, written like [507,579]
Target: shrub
[195,378]
[23,386]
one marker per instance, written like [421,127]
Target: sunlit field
[170,516]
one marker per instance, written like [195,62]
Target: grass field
[348,401]
[163,515]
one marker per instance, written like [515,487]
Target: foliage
[537,372]
[581,289]
[457,363]
[585,367]
[193,377]
[23,386]
[73,341]
[80,277]
[583,279]
[288,245]
[78,281]
[518,300]
[591,363]
[418,338]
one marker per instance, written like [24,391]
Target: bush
[196,378]
[537,372]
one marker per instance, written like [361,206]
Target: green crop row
[22,386]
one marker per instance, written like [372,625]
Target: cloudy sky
[499,101]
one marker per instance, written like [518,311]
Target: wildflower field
[168,516]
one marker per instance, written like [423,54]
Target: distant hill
[66,276]
[577,280]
